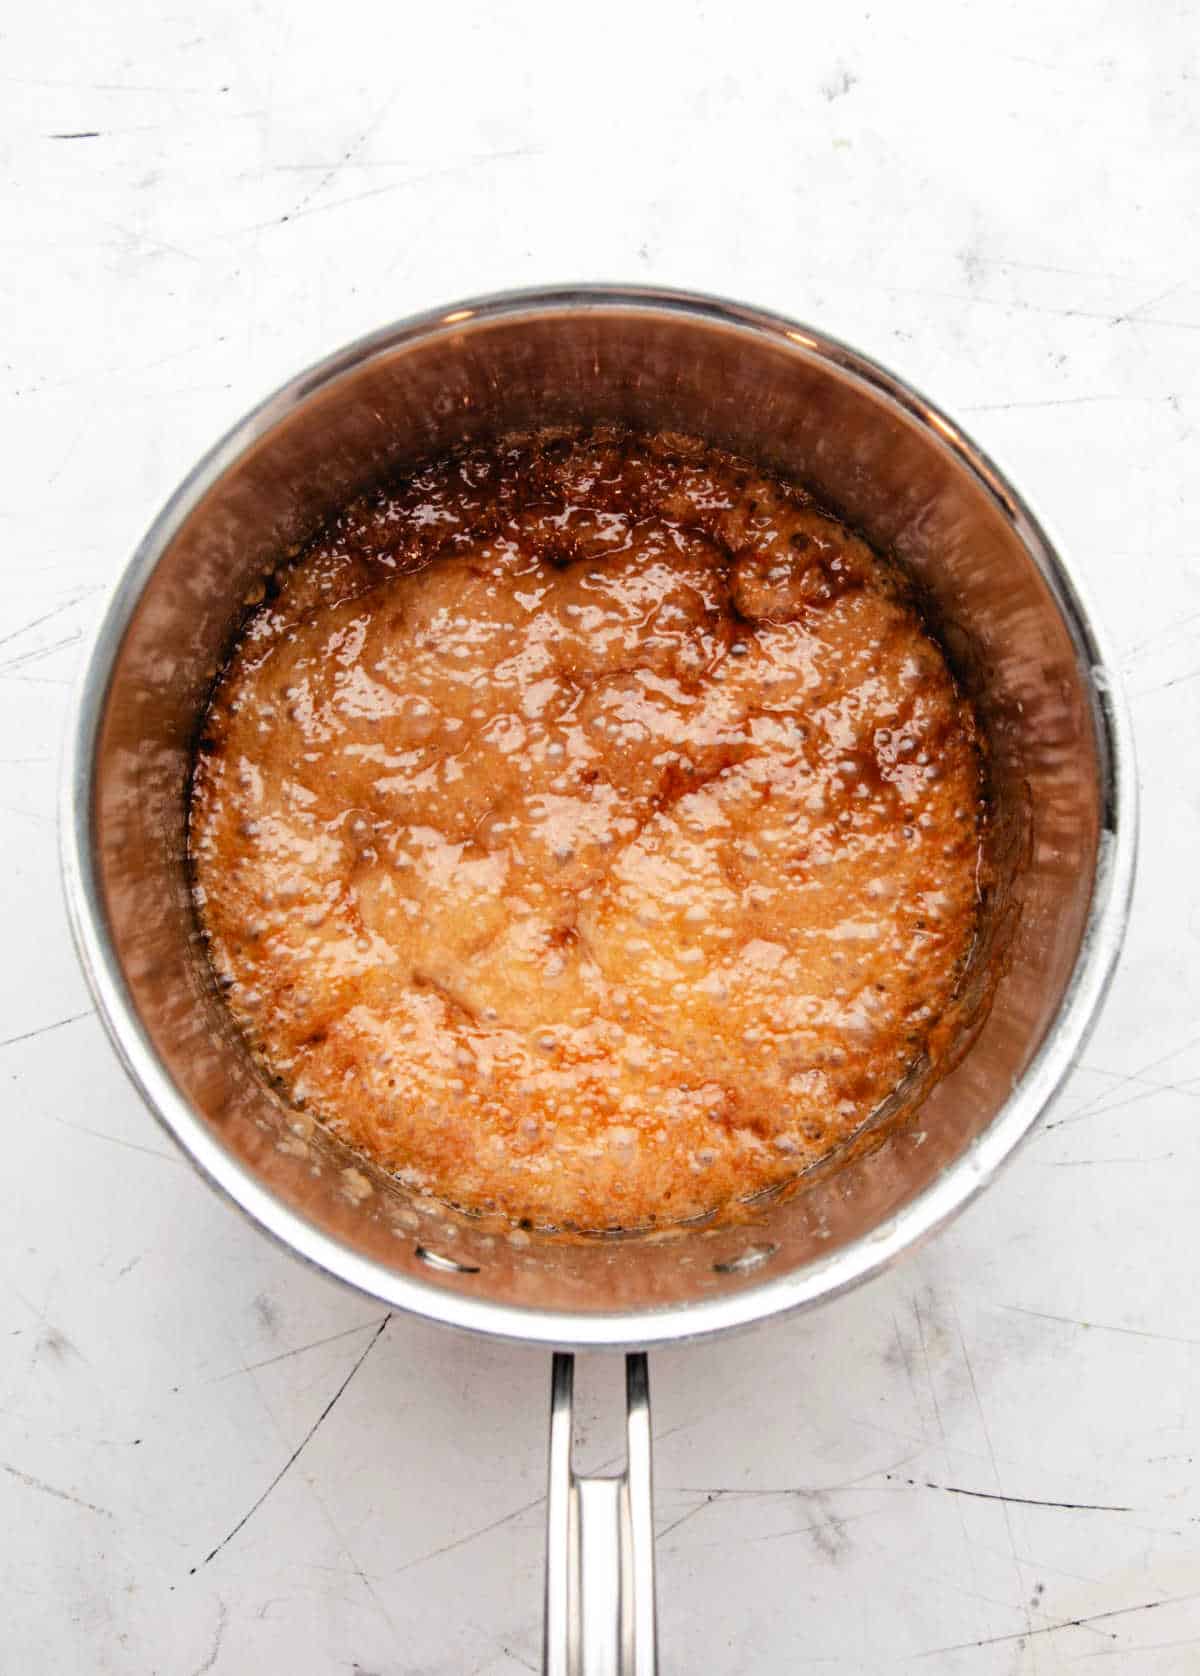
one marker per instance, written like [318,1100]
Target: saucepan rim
[461,1306]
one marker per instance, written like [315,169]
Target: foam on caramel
[588,829]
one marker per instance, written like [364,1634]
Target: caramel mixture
[588,830]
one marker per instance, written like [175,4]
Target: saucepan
[1015,628]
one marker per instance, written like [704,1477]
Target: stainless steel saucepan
[1019,636]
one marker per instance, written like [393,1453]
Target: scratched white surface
[982,1463]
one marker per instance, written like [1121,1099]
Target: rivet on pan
[448,1265]
[751,1258]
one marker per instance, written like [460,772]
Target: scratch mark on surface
[1004,1500]
[1058,1570]
[358,1570]
[1131,655]
[448,173]
[38,1314]
[1099,1326]
[218,1637]
[126,369]
[1024,1501]
[1048,268]
[356,1567]
[683,1426]
[376,1598]
[284,1355]
[375,164]
[937,1409]
[461,1541]
[27,815]
[1052,1629]
[50,1490]
[741,1493]
[1054,401]
[45,1029]
[134,237]
[68,456]
[322,209]
[1015,305]
[1129,1076]
[1080,1163]
[117,1140]
[56,611]
[37,653]
[299,1449]
[811,1530]
[109,86]
[1048,64]
[905,1356]
[862,1482]
[348,156]
[1175,681]
[1091,1109]
[691,1513]
[1143,1647]
[1096,1108]
[929,1382]
[1134,313]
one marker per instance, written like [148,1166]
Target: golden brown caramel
[588,829]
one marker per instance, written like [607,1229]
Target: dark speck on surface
[827,1530]
[839,85]
[267,1312]
[56,1343]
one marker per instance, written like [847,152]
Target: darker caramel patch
[588,828]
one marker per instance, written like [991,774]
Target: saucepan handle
[600,1614]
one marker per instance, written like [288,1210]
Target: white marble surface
[982,1463]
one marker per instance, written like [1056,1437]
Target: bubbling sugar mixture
[589,830]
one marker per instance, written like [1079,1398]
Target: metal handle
[600,1615]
